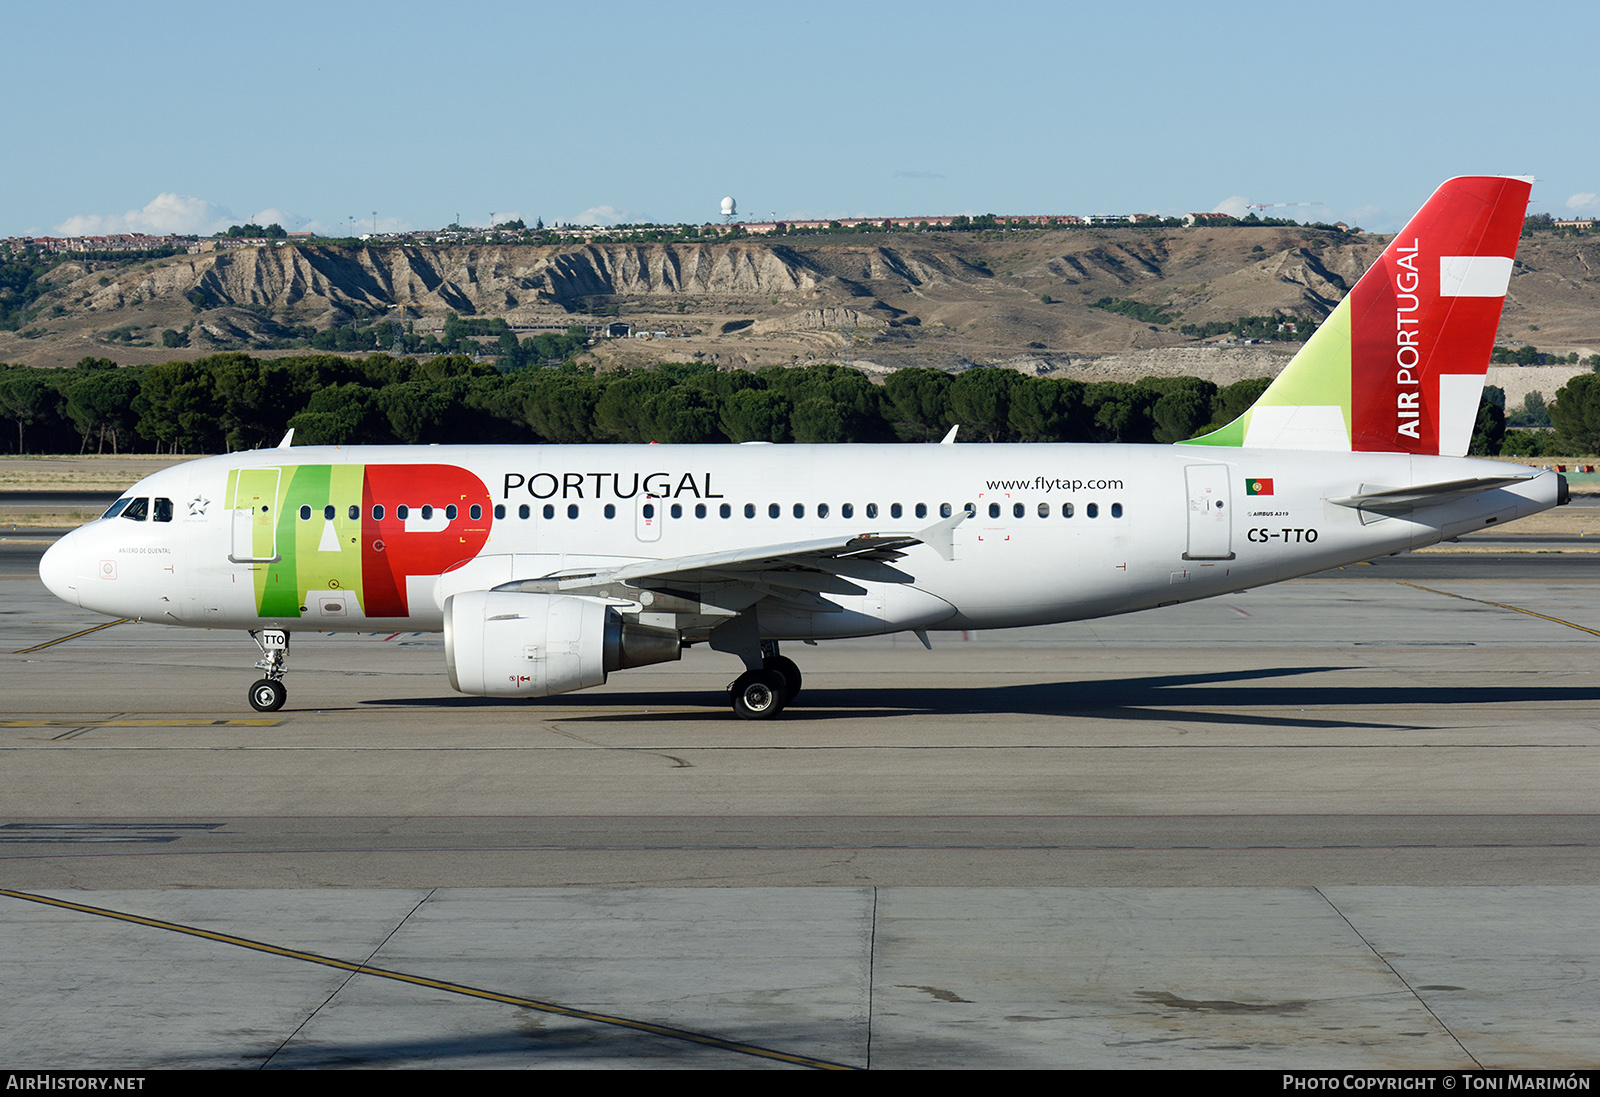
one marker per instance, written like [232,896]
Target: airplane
[548,567]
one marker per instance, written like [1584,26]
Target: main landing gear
[763,694]
[269,693]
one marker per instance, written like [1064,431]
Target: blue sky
[190,117]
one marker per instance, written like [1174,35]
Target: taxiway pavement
[1345,821]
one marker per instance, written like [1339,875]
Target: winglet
[941,536]
[287,438]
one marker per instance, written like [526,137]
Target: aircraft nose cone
[59,572]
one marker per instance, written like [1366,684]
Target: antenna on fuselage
[287,438]
[947,440]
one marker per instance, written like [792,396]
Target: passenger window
[163,510]
[847,510]
[994,510]
[1066,510]
[699,510]
[799,510]
[138,510]
[725,510]
[611,510]
[499,510]
[649,510]
[944,510]
[1018,510]
[773,510]
[1116,510]
[895,510]
[677,510]
[328,512]
[305,514]
[450,513]
[572,510]
[476,512]
[355,513]
[402,512]
[922,510]
[749,510]
[1044,510]
[549,510]
[822,510]
[117,508]
[1092,510]
[872,510]
[377,512]
[523,511]
[970,508]
[427,513]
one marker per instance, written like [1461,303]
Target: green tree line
[234,401]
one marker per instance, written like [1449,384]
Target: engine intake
[510,644]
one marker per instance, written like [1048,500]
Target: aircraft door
[647,519]
[253,505]
[1210,513]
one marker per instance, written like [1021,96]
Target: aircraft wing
[820,555]
[797,572]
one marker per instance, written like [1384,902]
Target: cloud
[165,213]
[606,216]
[1233,207]
[1583,201]
[186,215]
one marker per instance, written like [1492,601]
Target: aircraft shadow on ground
[1202,698]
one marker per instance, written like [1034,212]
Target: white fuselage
[1056,532]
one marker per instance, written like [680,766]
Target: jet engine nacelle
[511,644]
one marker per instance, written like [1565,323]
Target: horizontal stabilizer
[1403,500]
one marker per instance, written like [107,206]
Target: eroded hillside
[934,298]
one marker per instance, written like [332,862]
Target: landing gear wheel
[758,694]
[791,675]
[268,695]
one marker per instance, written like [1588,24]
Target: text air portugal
[1407,363]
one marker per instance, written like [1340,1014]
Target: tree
[100,402]
[26,398]
[917,404]
[622,413]
[1576,414]
[342,415]
[178,405]
[756,415]
[980,400]
[1044,410]
[1182,408]
[1489,431]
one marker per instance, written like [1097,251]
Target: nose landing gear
[269,693]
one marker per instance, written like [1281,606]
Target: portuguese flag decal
[1258,485]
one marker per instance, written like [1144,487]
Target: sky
[340,118]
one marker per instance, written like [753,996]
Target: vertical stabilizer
[1398,366]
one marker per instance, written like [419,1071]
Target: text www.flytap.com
[1048,484]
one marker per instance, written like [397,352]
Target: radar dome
[729,207]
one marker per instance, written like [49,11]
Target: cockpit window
[163,510]
[137,510]
[117,508]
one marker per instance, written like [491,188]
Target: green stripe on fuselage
[318,553]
